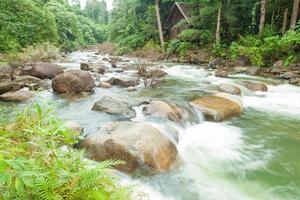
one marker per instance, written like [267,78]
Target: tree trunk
[218,25]
[285,18]
[273,18]
[262,15]
[294,14]
[161,36]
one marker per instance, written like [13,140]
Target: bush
[44,52]
[265,51]
[34,164]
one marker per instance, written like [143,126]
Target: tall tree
[262,15]
[285,18]
[161,36]
[218,25]
[295,14]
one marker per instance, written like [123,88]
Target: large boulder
[164,110]
[140,145]
[123,82]
[9,86]
[219,107]
[73,81]
[45,70]
[114,106]
[230,89]
[17,96]
[254,86]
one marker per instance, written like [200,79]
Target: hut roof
[184,8]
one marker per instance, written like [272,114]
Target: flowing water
[252,157]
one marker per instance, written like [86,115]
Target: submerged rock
[254,86]
[73,82]
[140,145]
[165,110]
[17,96]
[230,89]
[219,107]
[45,70]
[123,82]
[104,85]
[114,106]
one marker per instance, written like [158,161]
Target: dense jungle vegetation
[258,29]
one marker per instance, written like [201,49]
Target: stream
[252,157]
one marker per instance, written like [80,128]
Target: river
[252,157]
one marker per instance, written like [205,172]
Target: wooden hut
[179,18]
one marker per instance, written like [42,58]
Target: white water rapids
[253,157]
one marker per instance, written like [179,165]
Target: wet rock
[113,61]
[140,145]
[164,110]
[104,85]
[239,70]
[114,106]
[85,66]
[243,61]
[295,81]
[131,89]
[45,70]
[123,82]
[32,82]
[253,71]
[119,70]
[9,86]
[73,81]
[17,96]
[154,73]
[97,68]
[74,127]
[288,75]
[100,70]
[105,59]
[219,107]
[254,86]
[221,73]
[230,89]
[216,63]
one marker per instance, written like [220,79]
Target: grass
[37,161]
[44,52]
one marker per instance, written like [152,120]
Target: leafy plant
[38,162]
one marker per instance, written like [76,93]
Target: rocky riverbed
[185,131]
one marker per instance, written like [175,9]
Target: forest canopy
[27,22]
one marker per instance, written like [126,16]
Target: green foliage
[28,22]
[265,51]
[178,47]
[37,162]
[24,23]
